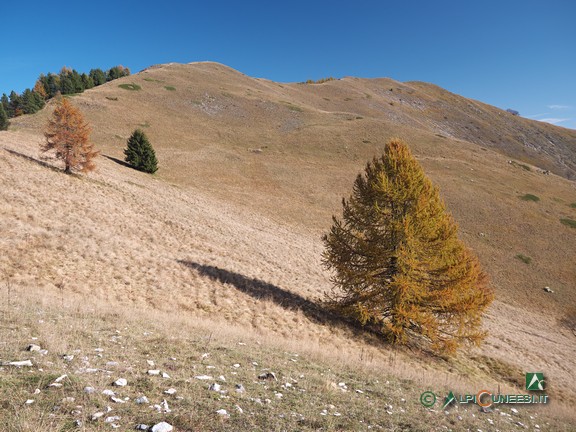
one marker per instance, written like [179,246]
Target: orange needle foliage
[398,265]
[67,133]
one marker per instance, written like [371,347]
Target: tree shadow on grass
[33,159]
[118,161]
[262,290]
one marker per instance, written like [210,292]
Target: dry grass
[380,391]
[227,240]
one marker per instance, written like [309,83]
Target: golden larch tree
[68,134]
[397,263]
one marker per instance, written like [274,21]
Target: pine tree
[68,134]
[15,105]
[98,76]
[398,265]
[140,154]
[4,123]
[5,103]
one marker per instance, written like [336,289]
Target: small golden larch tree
[68,134]
[397,263]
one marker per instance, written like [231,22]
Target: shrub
[140,154]
[171,88]
[568,222]
[398,265]
[530,197]
[525,259]
[133,87]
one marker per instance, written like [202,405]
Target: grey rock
[268,376]
[142,426]
[215,387]
[240,388]
[121,382]
[33,347]
[142,400]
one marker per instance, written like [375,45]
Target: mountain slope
[250,173]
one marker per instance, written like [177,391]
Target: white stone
[61,378]
[203,377]
[142,400]
[215,387]
[89,390]
[154,372]
[240,410]
[108,392]
[33,347]
[97,415]
[121,382]
[112,419]
[165,406]
[514,411]
[170,391]
[236,365]
[165,375]
[29,401]
[117,400]
[222,412]
[20,363]
[162,427]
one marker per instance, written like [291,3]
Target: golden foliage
[397,261]
[68,134]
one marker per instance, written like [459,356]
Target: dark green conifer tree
[140,154]
[98,76]
[15,105]
[4,123]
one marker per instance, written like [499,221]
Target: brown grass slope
[250,173]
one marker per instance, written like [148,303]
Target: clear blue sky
[518,54]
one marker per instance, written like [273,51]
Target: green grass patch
[112,98]
[132,87]
[530,197]
[525,259]
[573,205]
[170,88]
[568,222]
[153,80]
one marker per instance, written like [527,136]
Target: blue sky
[508,53]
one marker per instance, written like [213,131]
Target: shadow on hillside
[288,300]
[33,159]
[118,161]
